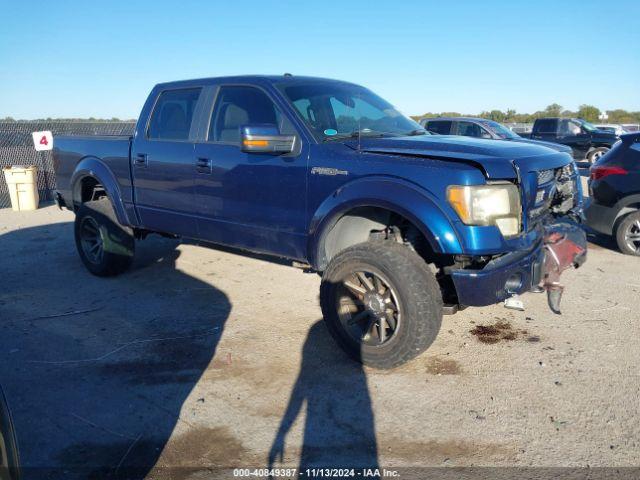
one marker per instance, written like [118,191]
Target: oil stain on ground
[501,330]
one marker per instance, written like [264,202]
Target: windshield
[500,130]
[339,110]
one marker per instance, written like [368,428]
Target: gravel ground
[205,358]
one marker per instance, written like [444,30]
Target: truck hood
[496,158]
[602,136]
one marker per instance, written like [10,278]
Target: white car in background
[612,127]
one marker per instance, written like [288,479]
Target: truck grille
[556,193]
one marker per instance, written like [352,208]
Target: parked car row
[570,135]
[482,128]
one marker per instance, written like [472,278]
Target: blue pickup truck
[403,226]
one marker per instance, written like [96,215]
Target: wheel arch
[367,204]
[90,173]
[624,207]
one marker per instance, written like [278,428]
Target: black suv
[614,186]
[481,128]
[585,140]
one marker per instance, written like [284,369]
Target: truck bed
[111,151]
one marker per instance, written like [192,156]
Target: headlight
[497,205]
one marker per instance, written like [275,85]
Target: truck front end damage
[557,243]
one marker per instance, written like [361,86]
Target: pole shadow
[339,428]
[97,370]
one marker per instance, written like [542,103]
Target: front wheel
[596,154]
[381,303]
[628,234]
[106,248]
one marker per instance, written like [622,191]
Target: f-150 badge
[328,171]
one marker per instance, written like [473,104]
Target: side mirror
[265,139]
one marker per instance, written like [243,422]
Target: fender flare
[396,195]
[95,168]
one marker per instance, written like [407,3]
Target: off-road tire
[118,241]
[595,154]
[622,228]
[419,295]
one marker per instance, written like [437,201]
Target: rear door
[250,200]
[163,166]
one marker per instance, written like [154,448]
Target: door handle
[140,160]
[203,165]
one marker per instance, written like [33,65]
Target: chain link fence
[16,148]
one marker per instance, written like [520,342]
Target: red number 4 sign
[42,140]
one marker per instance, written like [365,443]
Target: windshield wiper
[356,134]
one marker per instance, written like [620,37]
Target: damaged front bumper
[562,245]
[565,246]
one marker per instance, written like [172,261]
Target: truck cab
[585,140]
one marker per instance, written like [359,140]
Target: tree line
[586,112]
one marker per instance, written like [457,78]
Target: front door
[255,201]
[163,165]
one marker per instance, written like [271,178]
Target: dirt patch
[501,330]
[210,447]
[437,451]
[443,366]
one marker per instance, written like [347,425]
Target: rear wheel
[381,303]
[596,154]
[628,234]
[106,248]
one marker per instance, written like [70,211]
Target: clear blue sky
[94,58]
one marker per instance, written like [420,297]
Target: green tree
[553,110]
[589,113]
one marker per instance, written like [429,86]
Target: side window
[442,127]
[545,126]
[468,129]
[238,106]
[173,113]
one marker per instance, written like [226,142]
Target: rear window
[441,127]
[545,126]
[173,114]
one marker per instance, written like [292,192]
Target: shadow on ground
[332,391]
[97,370]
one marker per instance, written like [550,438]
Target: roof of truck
[279,79]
